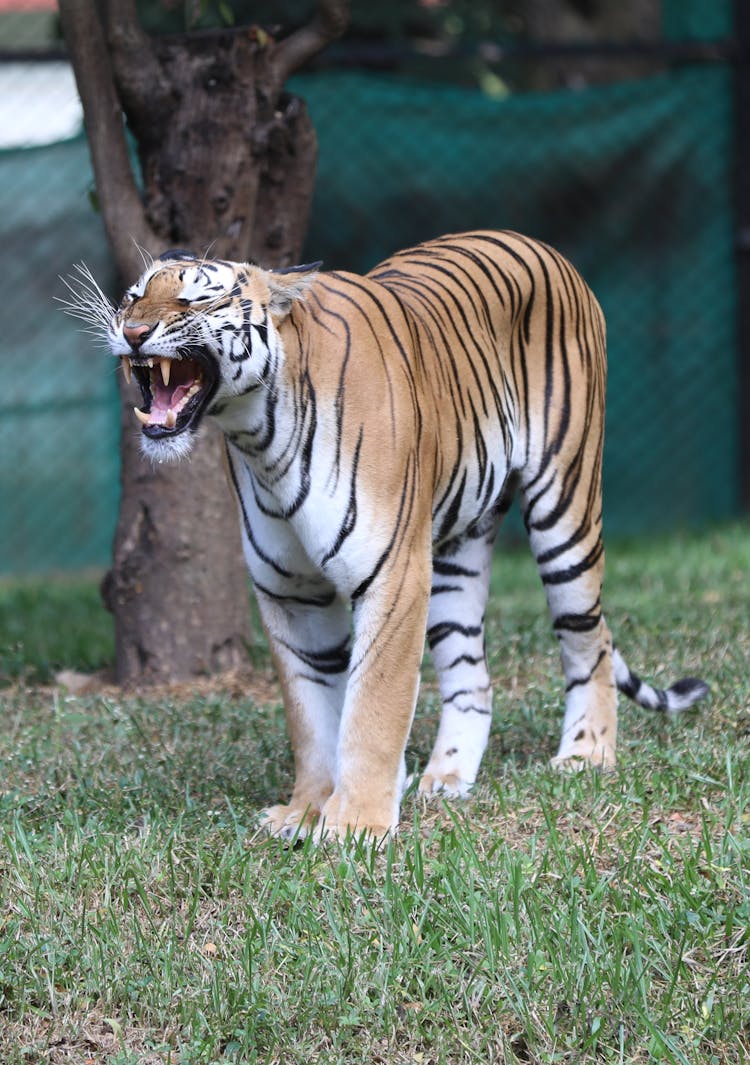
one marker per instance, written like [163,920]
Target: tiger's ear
[175,253]
[286,286]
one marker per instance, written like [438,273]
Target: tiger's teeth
[127,372]
[166,366]
[141,416]
[150,364]
[171,419]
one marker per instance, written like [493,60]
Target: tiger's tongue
[168,400]
[162,398]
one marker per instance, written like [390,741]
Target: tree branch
[122,210]
[327,24]
[122,22]
[137,70]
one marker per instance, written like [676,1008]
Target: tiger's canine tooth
[141,416]
[171,419]
[127,372]
[166,366]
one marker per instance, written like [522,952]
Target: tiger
[377,429]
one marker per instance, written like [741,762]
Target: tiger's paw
[447,785]
[288,822]
[342,821]
[344,833]
[575,761]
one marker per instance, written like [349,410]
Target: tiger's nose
[136,334]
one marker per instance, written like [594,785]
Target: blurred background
[611,131]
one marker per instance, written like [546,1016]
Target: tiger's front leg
[389,631]
[310,644]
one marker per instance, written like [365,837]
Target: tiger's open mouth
[175,392]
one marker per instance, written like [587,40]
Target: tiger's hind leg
[455,633]
[571,564]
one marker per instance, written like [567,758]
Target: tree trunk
[227,165]
[177,586]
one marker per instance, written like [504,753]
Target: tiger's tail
[679,696]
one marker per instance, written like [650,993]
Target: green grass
[586,919]
[49,624]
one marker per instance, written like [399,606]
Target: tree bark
[227,163]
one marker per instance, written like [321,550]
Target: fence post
[742,208]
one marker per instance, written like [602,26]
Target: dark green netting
[631,181]
[697,19]
[59,426]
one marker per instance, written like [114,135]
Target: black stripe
[585,680]
[472,660]
[246,522]
[443,629]
[576,622]
[330,660]
[350,518]
[402,510]
[571,572]
[319,600]
[451,515]
[451,569]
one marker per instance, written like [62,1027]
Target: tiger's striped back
[512,343]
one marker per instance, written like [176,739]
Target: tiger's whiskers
[87,302]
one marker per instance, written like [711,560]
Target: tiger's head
[196,334]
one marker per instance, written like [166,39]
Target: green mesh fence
[696,19]
[59,422]
[631,181]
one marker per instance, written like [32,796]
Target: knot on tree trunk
[274,140]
